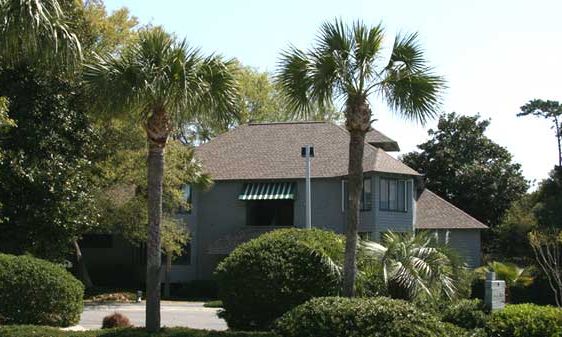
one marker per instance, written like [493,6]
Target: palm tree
[164,83]
[37,32]
[513,275]
[345,66]
[414,264]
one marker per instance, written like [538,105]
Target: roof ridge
[455,207]
[286,122]
[221,135]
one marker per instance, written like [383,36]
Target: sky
[495,55]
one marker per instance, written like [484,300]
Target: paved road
[185,314]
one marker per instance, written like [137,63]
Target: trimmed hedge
[525,320]
[39,331]
[266,277]
[34,291]
[468,314]
[359,317]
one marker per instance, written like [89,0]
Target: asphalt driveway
[184,314]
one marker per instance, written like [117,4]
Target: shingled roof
[433,212]
[380,140]
[273,151]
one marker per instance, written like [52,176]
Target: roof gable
[434,212]
[273,151]
[380,140]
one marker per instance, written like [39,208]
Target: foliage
[37,32]
[548,209]
[344,67]
[415,265]
[468,314]
[260,100]
[510,242]
[513,275]
[34,291]
[45,175]
[354,317]
[525,320]
[39,331]
[468,169]
[547,247]
[116,320]
[102,33]
[122,183]
[159,74]
[262,279]
[548,110]
[213,304]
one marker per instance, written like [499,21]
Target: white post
[308,207]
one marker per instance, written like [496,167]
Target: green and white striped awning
[268,191]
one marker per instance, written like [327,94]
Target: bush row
[38,331]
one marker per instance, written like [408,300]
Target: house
[259,186]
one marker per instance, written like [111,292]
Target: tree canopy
[465,167]
[45,173]
[548,110]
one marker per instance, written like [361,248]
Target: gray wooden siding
[465,241]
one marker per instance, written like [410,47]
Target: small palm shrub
[414,265]
[359,317]
[116,320]
[34,291]
[264,278]
[525,320]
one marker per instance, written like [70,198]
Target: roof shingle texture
[379,139]
[433,212]
[273,151]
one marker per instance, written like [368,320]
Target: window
[367,236]
[366,196]
[269,213]
[394,195]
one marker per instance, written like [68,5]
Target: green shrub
[264,278]
[359,317]
[525,320]
[34,291]
[39,331]
[468,314]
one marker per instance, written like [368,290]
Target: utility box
[494,292]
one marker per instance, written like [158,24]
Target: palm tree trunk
[153,253]
[167,276]
[358,122]
[356,146]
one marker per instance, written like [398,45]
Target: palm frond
[160,73]
[295,81]
[409,85]
[37,32]
[220,89]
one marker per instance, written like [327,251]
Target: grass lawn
[39,331]
[213,304]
